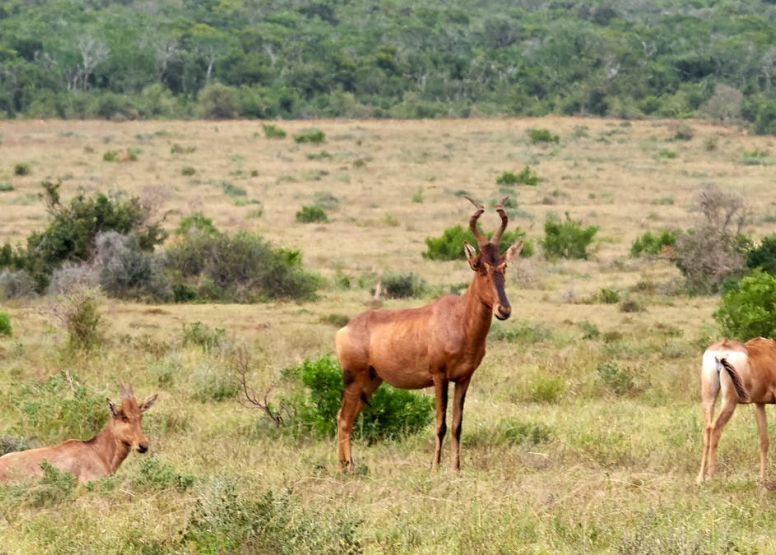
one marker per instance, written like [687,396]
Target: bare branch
[242,366]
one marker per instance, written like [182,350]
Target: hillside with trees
[136,59]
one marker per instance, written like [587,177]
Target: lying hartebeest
[87,460]
[744,373]
[436,344]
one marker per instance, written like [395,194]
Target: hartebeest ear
[114,411]
[471,255]
[148,403]
[513,251]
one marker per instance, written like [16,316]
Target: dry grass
[614,473]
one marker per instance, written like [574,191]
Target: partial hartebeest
[744,373]
[435,344]
[87,460]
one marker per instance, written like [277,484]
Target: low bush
[155,475]
[273,131]
[211,382]
[59,408]
[542,136]
[622,381]
[240,267]
[391,413]
[224,521]
[22,169]
[16,285]
[653,244]
[450,245]
[127,272]
[202,335]
[750,309]
[5,324]
[520,331]
[312,136]
[566,239]
[311,214]
[400,286]
[525,177]
[608,296]
[763,256]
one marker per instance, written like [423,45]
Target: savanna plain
[582,426]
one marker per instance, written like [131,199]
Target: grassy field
[582,429]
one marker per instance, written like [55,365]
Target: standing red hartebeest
[436,344]
[87,460]
[744,373]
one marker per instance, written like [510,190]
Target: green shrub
[312,136]
[197,222]
[519,331]
[325,200]
[391,413]
[311,214]
[5,187]
[763,256]
[218,101]
[526,177]
[82,319]
[233,190]
[178,149]
[111,156]
[608,296]
[542,136]
[621,381]
[202,335]
[224,522]
[5,324]
[400,286]
[188,171]
[127,272]
[210,382]
[566,239]
[547,389]
[450,245]
[273,131]
[750,310]
[241,268]
[70,235]
[155,475]
[59,408]
[589,330]
[653,244]
[53,488]
[22,168]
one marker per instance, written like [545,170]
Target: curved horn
[500,209]
[473,221]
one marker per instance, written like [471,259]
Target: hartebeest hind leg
[762,433]
[359,387]
[712,433]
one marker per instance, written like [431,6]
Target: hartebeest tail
[435,344]
[88,460]
[743,373]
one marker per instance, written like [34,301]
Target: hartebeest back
[88,460]
[744,373]
[433,345]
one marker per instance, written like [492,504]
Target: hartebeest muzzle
[142,448]
[503,312]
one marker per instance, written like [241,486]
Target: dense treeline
[302,58]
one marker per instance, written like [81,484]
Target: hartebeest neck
[109,448]
[477,314]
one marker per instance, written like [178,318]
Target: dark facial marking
[372,373]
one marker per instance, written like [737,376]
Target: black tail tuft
[736,379]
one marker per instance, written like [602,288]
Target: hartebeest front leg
[458,401]
[762,433]
[440,389]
